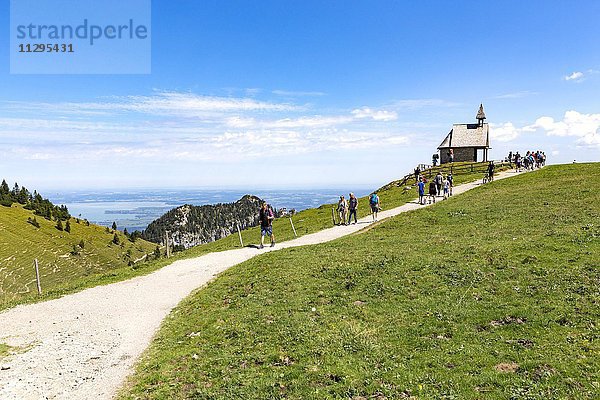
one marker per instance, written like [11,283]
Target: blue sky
[308,94]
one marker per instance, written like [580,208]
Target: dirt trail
[83,346]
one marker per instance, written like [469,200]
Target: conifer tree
[4,189]
[116,239]
[68,227]
[114,226]
[59,225]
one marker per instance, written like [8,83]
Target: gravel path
[83,346]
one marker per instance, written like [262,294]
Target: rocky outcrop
[193,225]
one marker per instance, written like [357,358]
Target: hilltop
[491,294]
[193,225]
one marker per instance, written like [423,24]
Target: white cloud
[377,115]
[575,76]
[161,104]
[504,132]
[515,95]
[583,126]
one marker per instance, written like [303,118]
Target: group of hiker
[530,161]
[438,186]
[347,209]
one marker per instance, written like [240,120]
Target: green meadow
[64,258]
[491,294]
[102,262]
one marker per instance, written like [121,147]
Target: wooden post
[333,214]
[167,244]
[37,277]
[293,228]
[240,234]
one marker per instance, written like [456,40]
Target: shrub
[33,222]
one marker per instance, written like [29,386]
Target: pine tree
[116,239]
[125,232]
[68,227]
[59,225]
[157,252]
[114,226]
[4,189]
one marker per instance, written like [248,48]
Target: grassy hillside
[104,266]
[61,258]
[491,294]
[317,219]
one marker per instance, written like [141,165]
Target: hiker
[374,202]
[490,171]
[446,185]
[342,209]
[266,217]
[439,180]
[451,155]
[421,186]
[417,173]
[432,191]
[353,206]
[451,181]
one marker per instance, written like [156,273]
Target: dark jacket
[353,203]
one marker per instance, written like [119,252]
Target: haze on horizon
[269,95]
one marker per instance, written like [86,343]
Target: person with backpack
[421,186]
[439,180]
[446,185]
[432,191]
[342,209]
[451,181]
[374,203]
[266,217]
[353,207]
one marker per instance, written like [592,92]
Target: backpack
[374,199]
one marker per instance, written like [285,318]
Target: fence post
[333,215]
[167,244]
[293,228]
[240,234]
[37,277]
